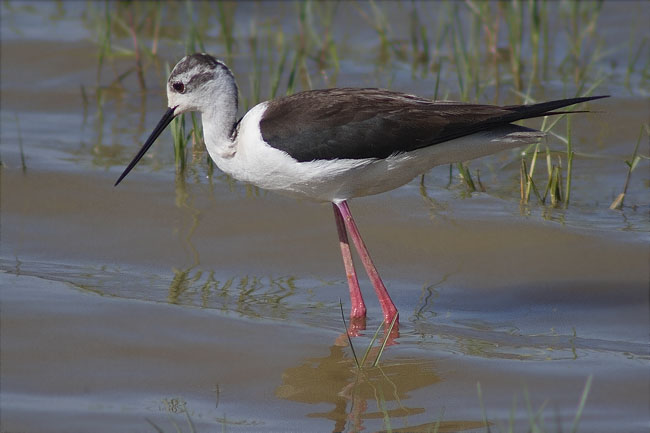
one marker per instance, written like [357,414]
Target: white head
[199,82]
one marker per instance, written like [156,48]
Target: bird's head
[199,82]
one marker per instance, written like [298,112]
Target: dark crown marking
[204,67]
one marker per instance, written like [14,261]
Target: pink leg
[358,309]
[387,305]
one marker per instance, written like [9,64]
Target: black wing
[374,123]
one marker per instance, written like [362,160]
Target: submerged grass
[535,418]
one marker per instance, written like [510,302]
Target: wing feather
[374,123]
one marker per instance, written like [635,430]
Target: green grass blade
[291,82]
[152,424]
[372,342]
[383,344]
[581,405]
[483,411]
[436,427]
[347,334]
[533,163]
[631,164]
[467,176]
[23,164]
[189,421]
[569,164]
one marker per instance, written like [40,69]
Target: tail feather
[546,108]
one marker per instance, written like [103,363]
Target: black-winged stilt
[337,144]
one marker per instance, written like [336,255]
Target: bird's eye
[179,87]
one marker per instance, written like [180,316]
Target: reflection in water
[424,308]
[183,418]
[185,201]
[359,394]
[182,277]
[251,296]
[505,341]
[115,96]
[435,207]
[288,298]
[502,338]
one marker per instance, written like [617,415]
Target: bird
[336,144]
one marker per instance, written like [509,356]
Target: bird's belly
[329,180]
[342,179]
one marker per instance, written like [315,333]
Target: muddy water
[171,295]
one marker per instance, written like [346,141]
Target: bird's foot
[357,324]
[358,311]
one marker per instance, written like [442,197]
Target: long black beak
[166,119]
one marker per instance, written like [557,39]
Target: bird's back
[352,123]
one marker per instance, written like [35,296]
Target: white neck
[218,119]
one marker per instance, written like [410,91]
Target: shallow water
[170,295]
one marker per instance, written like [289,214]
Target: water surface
[177,294]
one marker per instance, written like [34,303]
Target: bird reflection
[356,394]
